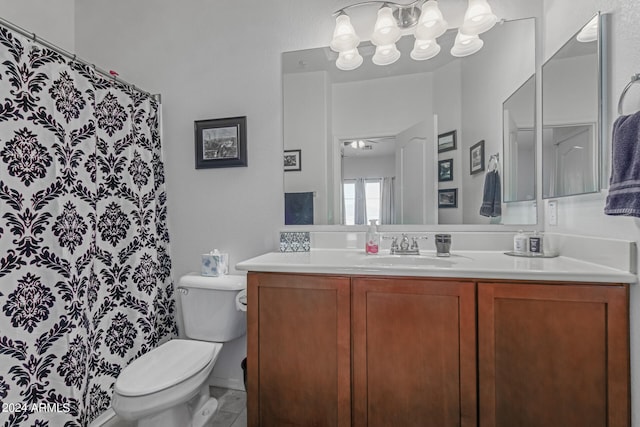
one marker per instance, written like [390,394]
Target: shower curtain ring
[34,37]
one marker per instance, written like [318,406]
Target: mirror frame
[601,122]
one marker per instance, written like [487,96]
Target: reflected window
[362,199]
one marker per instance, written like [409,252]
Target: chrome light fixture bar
[421,18]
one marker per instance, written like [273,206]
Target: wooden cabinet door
[414,352]
[298,350]
[553,355]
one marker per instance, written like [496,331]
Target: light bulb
[385,31]
[466,45]
[478,18]
[385,55]
[431,24]
[344,36]
[424,49]
[589,32]
[349,60]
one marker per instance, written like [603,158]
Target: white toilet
[167,387]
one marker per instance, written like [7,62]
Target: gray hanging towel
[492,195]
[624,184]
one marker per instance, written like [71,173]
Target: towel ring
[633,80]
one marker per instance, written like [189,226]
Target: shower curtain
[85,282]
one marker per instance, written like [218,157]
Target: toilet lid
[165,366]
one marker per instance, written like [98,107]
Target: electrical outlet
[552,212]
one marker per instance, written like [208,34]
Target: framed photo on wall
[447,141]
[445,170]
[221,143]
[292,160]
[476,158]
[448,198]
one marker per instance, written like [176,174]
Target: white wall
[369,167]
[484,90]
[584,214]
[306,130]
[53,21]
[380,107]
[568,91]
[447,92]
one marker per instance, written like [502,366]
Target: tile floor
[232,409]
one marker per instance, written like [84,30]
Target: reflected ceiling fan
[365,143]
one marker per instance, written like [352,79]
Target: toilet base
[180,415]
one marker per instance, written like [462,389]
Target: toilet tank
[209,307]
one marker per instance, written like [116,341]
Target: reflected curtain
[388,200]
[85,284]
[360,202]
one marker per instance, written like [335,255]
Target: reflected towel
[298,208]
[624,189]
[492,195]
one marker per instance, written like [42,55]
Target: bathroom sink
[411,261]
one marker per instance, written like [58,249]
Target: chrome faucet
[405,247]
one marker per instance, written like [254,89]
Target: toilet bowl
[161,385]
[167,387]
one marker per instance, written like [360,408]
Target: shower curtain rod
[72,56]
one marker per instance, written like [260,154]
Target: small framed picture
[448,198]
[221,143]
[447,141]
[292,160]
[445,170]
[476,158]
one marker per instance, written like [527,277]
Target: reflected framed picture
[447,141]
[476,158]
[221,143]
[292,160]
[448,198]
[445,170]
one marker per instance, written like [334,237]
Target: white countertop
[461,264]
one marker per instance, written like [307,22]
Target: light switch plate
[552,212]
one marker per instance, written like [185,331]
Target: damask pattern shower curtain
[85,282]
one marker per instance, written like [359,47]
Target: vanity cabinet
[298,350]
[326,350]
[414,352]
[553,355]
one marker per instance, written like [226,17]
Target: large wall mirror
[396,142]
[572,114]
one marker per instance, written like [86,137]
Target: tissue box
[215,265]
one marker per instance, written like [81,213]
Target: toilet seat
[165,366]
[177,370]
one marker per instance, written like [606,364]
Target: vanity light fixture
[421,18]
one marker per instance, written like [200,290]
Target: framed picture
[447,141]
[445,170]
[448,198]
[221,143]
[476,158]
[292,160]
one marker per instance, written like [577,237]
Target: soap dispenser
[373,238]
